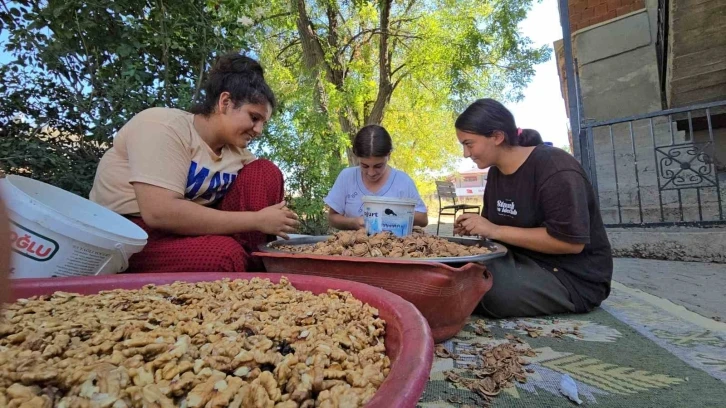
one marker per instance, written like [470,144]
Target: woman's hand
[358,223]
[277,220]
[341,222]
[534,239]
[351,223]
[475,224]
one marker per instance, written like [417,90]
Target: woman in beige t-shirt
[190,182]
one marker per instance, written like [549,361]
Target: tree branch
[200,78]
[285,48]
[398,21]
[165,54]
[398,68]
[266,18]
[374,31]
[400,78]
[343,20]
[276,35]
[89,67]
[396,41]
[203,60]
[358,34]
[9,13]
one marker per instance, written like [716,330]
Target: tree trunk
[313,55]
[385,87]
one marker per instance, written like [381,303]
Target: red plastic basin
[445,295]
[408,337]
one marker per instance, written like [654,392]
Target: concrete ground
[698,286]
[447,226]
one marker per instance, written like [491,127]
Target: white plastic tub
[57,233]
[388,214]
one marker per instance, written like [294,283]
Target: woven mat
[633,352]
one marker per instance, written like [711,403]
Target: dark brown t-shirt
[551,190]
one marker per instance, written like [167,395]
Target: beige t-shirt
[160,146]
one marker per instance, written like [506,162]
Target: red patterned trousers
[258,185]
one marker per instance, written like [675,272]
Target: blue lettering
[388,225]
[227,180]
[218,185]
[195,180]
[213,187]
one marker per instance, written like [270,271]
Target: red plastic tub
[408,337]
[445,295]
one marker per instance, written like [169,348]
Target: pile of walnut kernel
[385,244]
[210,344]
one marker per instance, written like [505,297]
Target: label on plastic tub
[31,244]
[397,225]
[46,254]
[396,217]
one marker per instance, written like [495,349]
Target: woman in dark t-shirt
[540,204]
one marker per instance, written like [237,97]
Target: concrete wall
[618,67]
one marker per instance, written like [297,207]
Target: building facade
[651,78]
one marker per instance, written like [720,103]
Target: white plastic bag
[568,387]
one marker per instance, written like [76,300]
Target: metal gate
[662,168]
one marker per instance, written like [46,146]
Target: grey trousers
[523,289]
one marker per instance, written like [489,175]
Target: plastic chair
[446,190]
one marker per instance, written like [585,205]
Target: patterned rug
[635,351]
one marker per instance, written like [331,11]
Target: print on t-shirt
[216,185]
[506,208]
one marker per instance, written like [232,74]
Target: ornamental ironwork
[685,166]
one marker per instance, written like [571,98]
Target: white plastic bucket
[57,233]
[388,214]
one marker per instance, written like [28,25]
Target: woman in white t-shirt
[372,146]
[190,182]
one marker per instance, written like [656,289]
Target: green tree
[409,65]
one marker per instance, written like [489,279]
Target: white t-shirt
[346,196]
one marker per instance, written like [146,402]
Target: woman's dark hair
[239,75]
[485,116]
[372,141]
